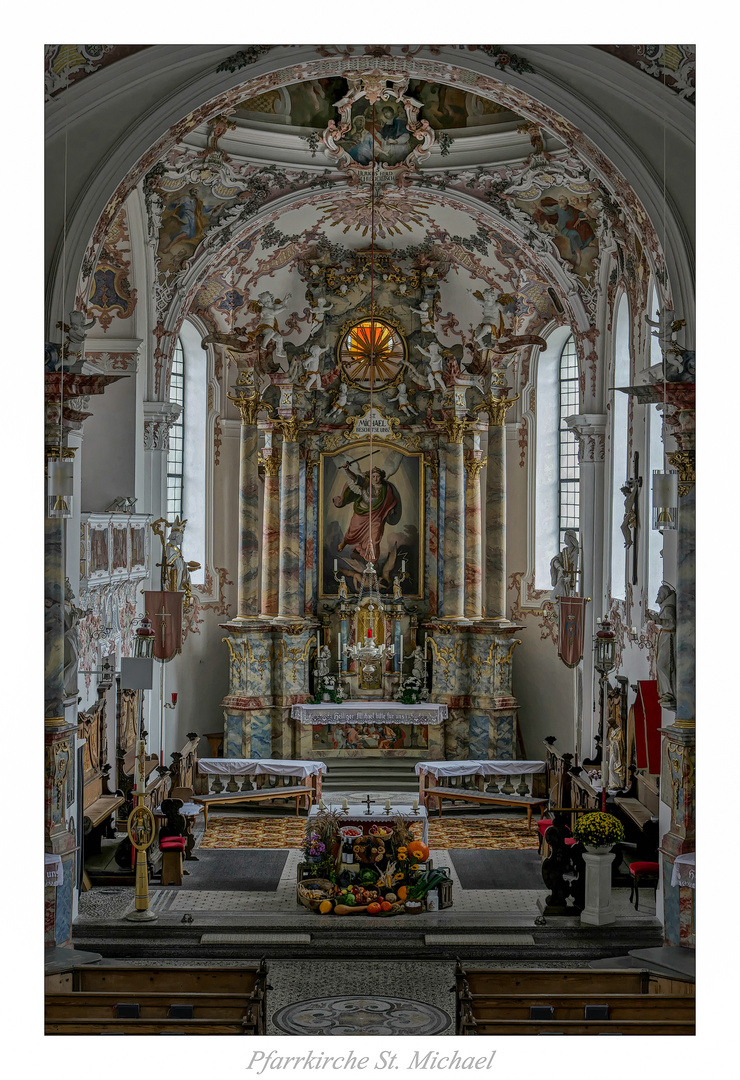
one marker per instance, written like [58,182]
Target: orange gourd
[401,893]
[419,850]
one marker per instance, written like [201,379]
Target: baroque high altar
[304,541]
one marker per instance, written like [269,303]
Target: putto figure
[434,374]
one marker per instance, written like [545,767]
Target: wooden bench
[582,1027]
[147,1027]
[258,795]
[181,984]
[498,1002]
[573,1007]
[528,802]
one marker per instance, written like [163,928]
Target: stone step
[371,774]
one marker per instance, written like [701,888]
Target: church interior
[369,545]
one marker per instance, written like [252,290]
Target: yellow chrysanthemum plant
[598,830]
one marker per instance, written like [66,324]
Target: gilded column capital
[270,463]
[290,427]
[473,467]
[311,464]
[455,428]
[684,461]
[496,408]
[248,406]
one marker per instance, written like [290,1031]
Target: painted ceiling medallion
[378,119]
[371,354]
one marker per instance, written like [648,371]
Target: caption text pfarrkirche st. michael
[261,1062]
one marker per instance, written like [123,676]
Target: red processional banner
[165,612]
[572,622]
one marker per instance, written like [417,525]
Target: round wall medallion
[361,1015]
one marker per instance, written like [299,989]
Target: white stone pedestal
[598,909]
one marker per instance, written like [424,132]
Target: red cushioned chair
[643,871]
[172,848]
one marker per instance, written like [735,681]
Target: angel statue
[434,375]
[311,367]
[493,315]
[339,403]
[426,314]
[270,308]
[401,397]
[318,312]
[665,650]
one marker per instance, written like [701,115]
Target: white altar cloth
[188,809]
[357,815]
[684,871]
[369,712]
[479,768]
[259,767]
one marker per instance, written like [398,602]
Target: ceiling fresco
[311,104]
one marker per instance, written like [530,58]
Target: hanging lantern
[604,646]
[665,499]
[144,643]
[60,488]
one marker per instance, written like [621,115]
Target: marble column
[289,598]
[270,532]
[473,537]
[311,540]
[247,401]
[453,587]
[590,432]
[495,584]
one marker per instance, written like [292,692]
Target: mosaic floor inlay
[361,1016]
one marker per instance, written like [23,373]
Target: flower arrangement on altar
[598,829]
[314,847]
[328,691]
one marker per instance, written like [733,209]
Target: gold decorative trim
[390,435]
[685,462]
[248,406]
[271,463]
[290,427]
[455,428]
[496,408]
[473,467]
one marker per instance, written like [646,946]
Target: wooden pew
[152,1006]
[180,984]
[98,801]
[582,1027]
[498,1002]
[147,1027]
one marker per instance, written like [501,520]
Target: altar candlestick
[335,566]
[345,805]
[415,805]
[387,804]
[400,655]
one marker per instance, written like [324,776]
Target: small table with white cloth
[357,814]
[435,787]
[307,773]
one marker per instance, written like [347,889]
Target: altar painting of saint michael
[370,510]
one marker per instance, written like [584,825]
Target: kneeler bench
[528,802]
[258,795]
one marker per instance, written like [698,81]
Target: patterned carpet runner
[491,833]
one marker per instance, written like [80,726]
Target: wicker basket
[313,885]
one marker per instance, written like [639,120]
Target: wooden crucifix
[631,522]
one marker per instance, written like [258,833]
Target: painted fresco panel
[371,737]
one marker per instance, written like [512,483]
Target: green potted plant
[598,831]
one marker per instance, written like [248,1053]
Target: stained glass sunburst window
[372,353]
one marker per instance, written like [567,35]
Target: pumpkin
[325,907]
[373,909]
[419,850]
[401,893]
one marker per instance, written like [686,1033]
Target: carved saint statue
[665,652]
[175,569]
[72,616]
[322,662]
[419,670]
[564,567]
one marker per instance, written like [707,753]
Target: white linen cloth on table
[369,712]
[684,871]
[259,767]
[479,768]
[358,815]
[53,869]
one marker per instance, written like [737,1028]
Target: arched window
[175,452]
[569,472]
[619,463]
[556,468]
